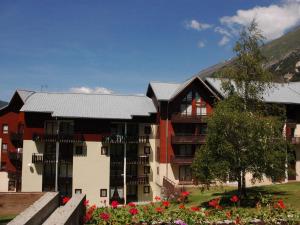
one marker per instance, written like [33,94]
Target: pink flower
[131,204]
[215,203]
[86,202]
[159,210]
[65,200]
[185,194]
[157,198]
[104,216]
[234,199]
[114,204]
[133,211]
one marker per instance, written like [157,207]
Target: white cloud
[201,44]
[195,25]
[87,90]
[273,20]
[223,31]
[224,41]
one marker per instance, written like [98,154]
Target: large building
[121,147]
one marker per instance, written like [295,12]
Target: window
[186,105]
[147,130]
[201,108]
[157,170]
[5,129]
[203,129]
[146,169]
[104,150]
[185,150]
[78,191]
[103,193]
[146,189]
[3,166]
[185,173]
[79,150]
[11,185]
[4,147]
[157,154]
[147,150]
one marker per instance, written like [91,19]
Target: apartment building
[123,147]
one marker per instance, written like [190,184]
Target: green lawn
[5,219]
[289,192]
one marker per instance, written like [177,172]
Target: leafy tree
[244,134]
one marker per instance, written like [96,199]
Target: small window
[103,192]
[104,150]
[78,191]
[5,129]
[146,189]
[157,170]
[4,147]
[3,166]
[147,130]
[146,169]
[11,185]
[147,150]
[79,150]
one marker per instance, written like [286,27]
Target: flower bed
[165,212]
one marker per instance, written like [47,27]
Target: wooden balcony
[63,138]
[122,139]
[182,159]
[135,180]
[140,160]
[188,139]
[38,158]
[181,118]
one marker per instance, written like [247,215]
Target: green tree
[243,136]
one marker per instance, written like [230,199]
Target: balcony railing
[122,139]
[38,158]
[182,118]
[64,138]
[16,139]
[140,160]
[188,139]
[144,179]
[182,159]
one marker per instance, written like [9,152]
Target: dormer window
[5,129]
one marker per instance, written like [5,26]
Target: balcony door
[49,167]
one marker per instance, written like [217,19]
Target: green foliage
[244,134]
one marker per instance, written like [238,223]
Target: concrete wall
[4,181]
[32,174]
[91,173]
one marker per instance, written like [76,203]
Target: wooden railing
[140,160]
[188,139]
[182,118]
[182,159]
[38,158]
[121,139]
[142,179]
[64,138]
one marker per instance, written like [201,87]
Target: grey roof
[76,105]
[24,94]
[164,91]
[285,93]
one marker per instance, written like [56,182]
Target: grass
[290,193]
[5,219]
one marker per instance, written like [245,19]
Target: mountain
[2,104]
[283,58]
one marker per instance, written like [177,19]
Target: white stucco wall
[32,174]
[91,173]
[4,181]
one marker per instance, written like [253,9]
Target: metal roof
[285,93]
[77,105]
[164,91]
[24,94]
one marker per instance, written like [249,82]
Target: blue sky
[91,45]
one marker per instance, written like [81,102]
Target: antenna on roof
[44,86]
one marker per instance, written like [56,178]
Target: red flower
[114,204]
[214,203]
[65,200]
[157,198]
[87,217]
[185,194]
[159,210]
[166,204]
[181,206]
[133,211]
[234,199]
[131,204]
[280,204]
[86,202]
[104,216]
[237,220]
[195,208]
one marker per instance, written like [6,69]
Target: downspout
[56,157]
[124,177]
[167,140]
